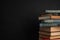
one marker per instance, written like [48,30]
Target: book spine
[45,17]
[49,24]
[52,11]
[53,21]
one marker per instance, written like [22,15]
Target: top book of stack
[52,11]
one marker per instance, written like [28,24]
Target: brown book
[49,39]
[52,37]
[50,29]
[40,38]
[47,29]
[55,39]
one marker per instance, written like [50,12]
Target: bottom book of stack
[48,39]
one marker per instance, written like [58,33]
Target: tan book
[50,29]
[50,34]
[55,28]
[55,17]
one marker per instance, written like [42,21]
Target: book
[50,37]
[48,17]
[40,38]
[52,11]
[44,17]
[52,21]
[55,17]
[49,29]
[44,39]
[55,39]
[50,34]
[49,24]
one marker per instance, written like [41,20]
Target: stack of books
[49,25]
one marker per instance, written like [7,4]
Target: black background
[20,18]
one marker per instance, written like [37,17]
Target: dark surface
[20,18]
